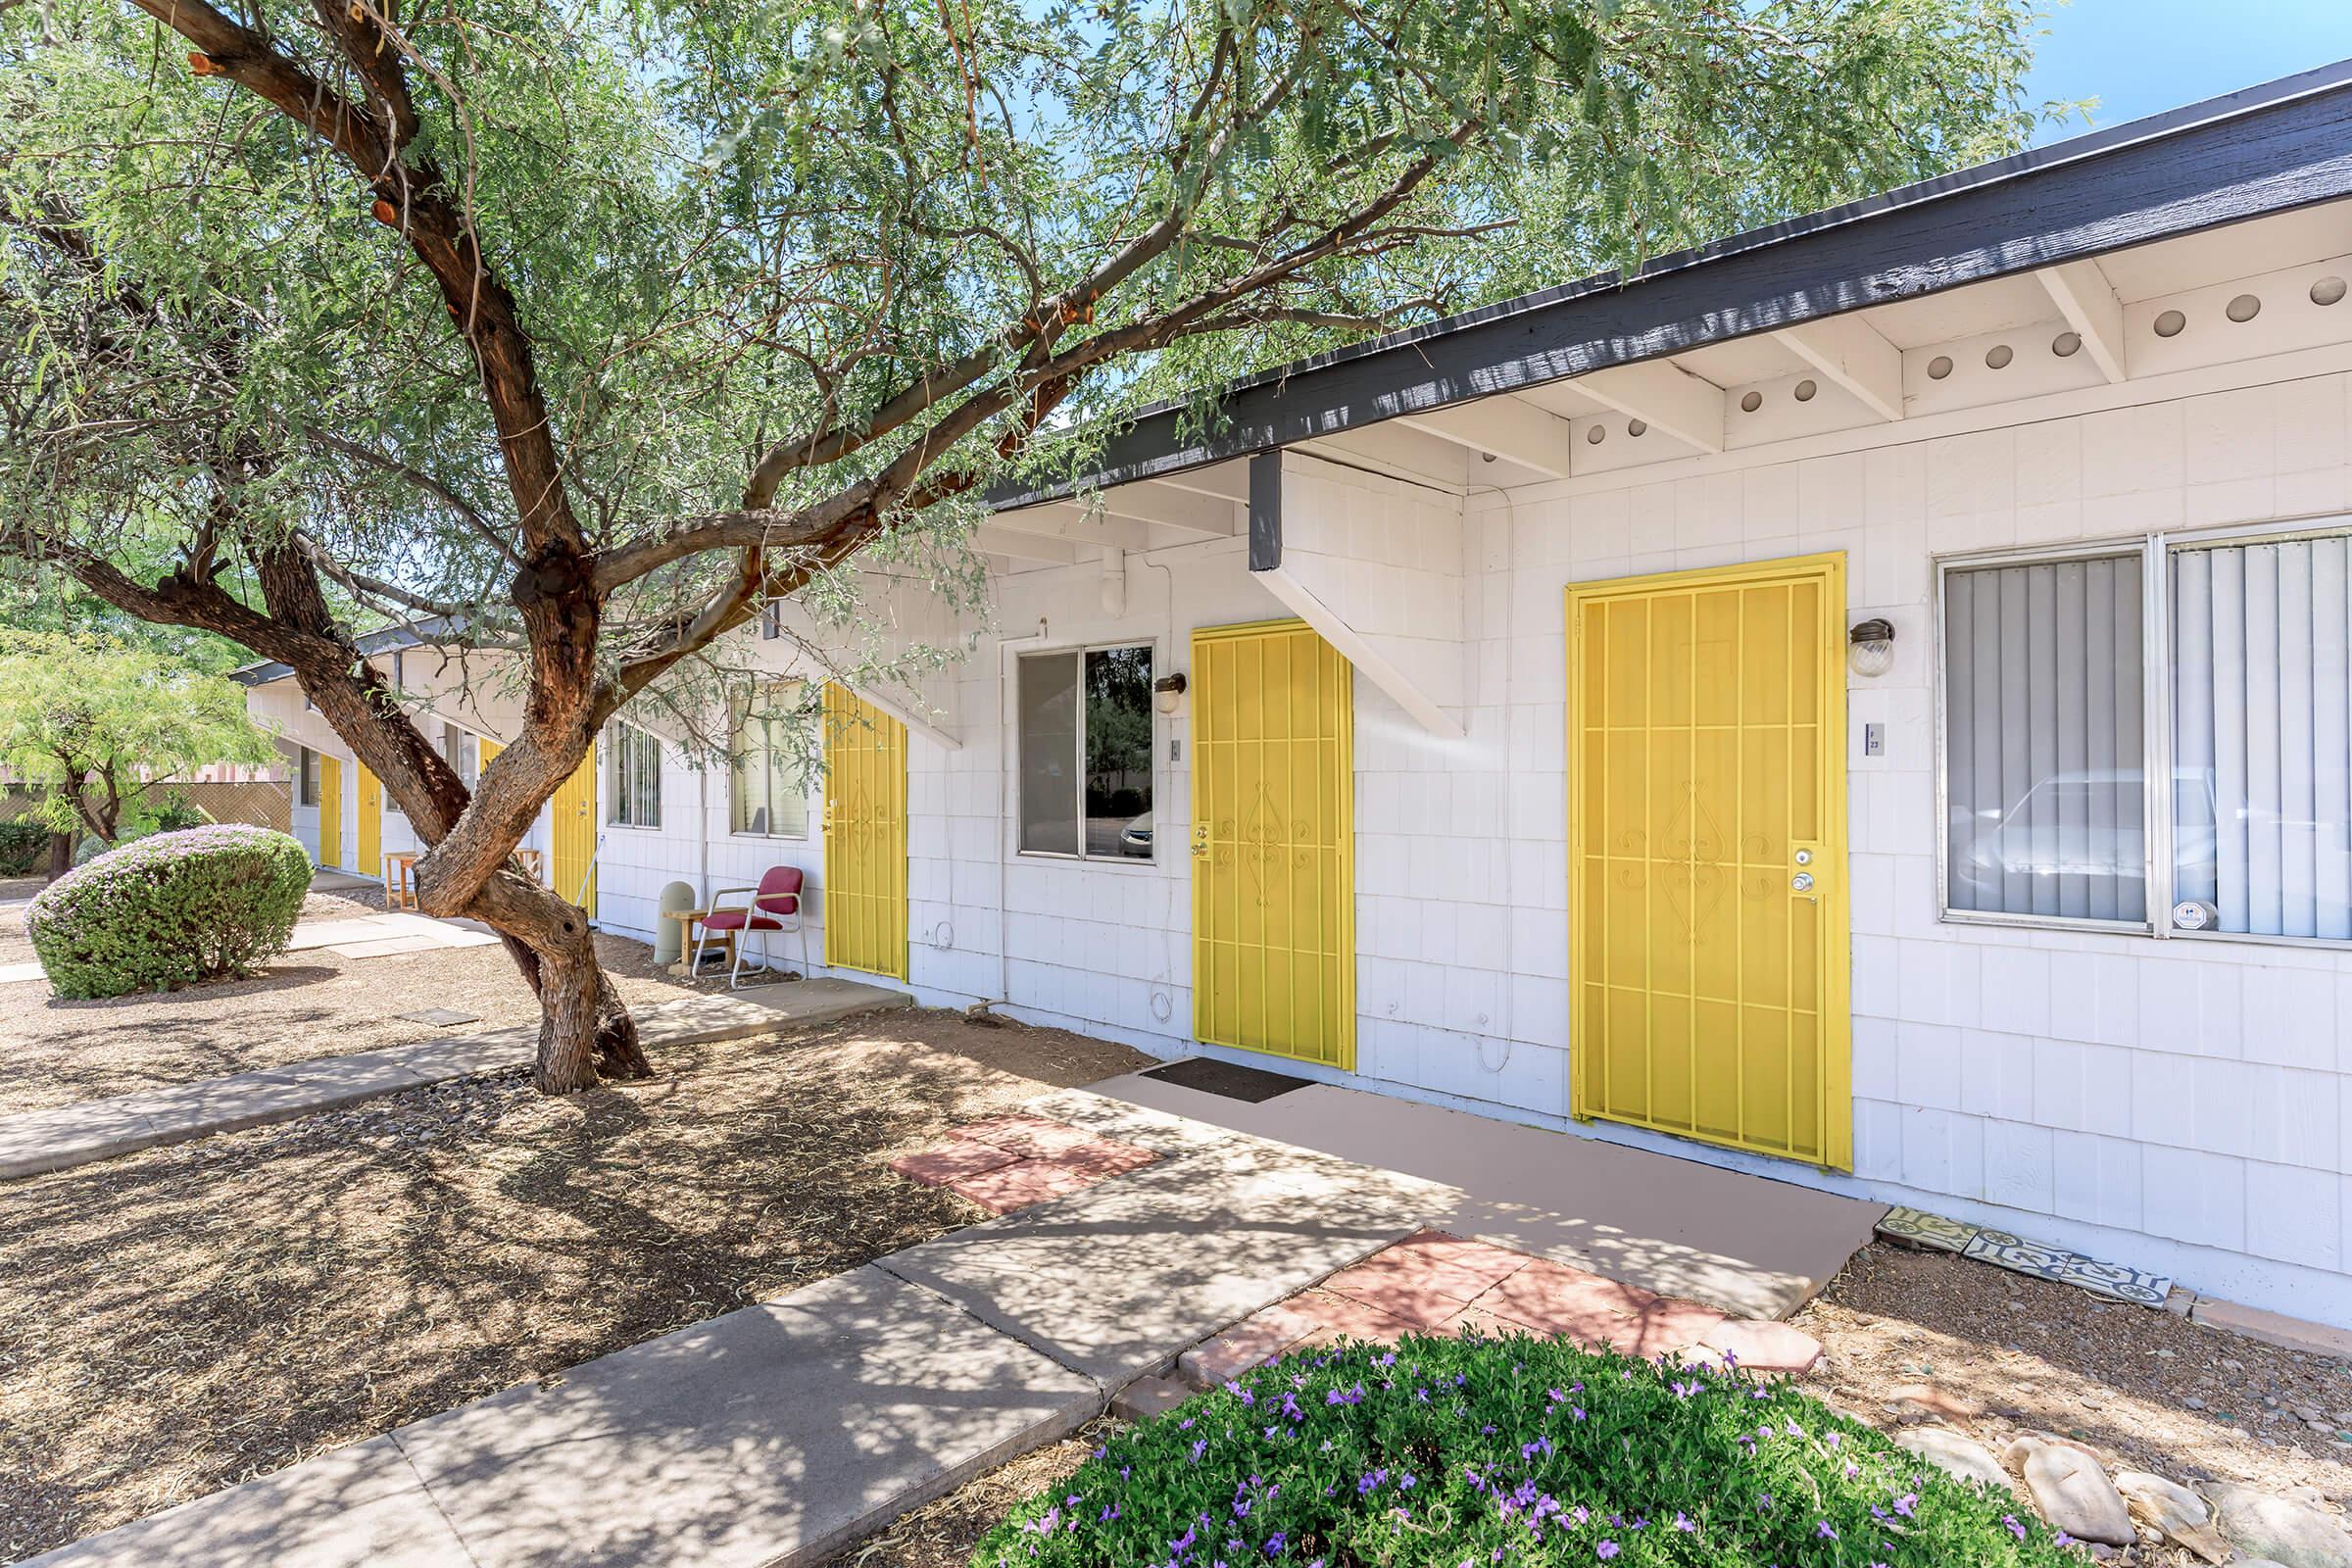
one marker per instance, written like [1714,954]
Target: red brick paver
[1250,1343]
[1020,1184]
[943,1163]
[1028,1137]
[1010,1162]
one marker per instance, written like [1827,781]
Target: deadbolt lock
[1804,856]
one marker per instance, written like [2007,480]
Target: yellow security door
[330,810]
[1273,844]
[572,815]
[865,836]
[1706,725]
[370,825]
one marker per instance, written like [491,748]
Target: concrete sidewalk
[779,1433]
[67,1136]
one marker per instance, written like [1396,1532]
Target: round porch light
[1870,646]
[2326,291]
[1167,694]
[2171,323]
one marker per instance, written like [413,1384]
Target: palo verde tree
[595,327]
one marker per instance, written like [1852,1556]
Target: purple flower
[1825,1530]
[1605,1550]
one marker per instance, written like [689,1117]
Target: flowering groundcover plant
[1470,1451]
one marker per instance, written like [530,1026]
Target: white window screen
[2262,692]
[2045,768]
[769,791]
[636,799]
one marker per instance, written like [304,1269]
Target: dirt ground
[309,1003]
[943,1533]
[2147,1390]
[181,1319]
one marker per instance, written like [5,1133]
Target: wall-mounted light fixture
[1167,693]
[1870,646]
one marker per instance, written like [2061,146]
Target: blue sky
[2142,56]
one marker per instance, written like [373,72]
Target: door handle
[1200,840]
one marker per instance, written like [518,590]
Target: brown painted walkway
[1753,1245]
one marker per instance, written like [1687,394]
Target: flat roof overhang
[2269,149]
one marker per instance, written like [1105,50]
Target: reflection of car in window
[1136,836]
[2088,823]
[2084,824]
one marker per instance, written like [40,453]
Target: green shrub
[168,911]
[1447,1452]
[24,845]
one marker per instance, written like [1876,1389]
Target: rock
[2072,1490]
[1941,1403]
[1954,1455]
[2292,1533]
[2174,1511]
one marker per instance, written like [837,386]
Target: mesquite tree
[593,328]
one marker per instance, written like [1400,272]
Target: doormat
[1233,1081]
[2118,1282]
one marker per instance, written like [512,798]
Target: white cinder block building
[1869,701]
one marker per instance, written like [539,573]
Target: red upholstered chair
[773,905]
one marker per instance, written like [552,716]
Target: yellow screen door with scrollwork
[1707,899]
[865,836]
[1273,843]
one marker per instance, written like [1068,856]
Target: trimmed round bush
[170,910]
[1444,1453]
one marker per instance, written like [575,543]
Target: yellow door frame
[865,895]
[330,810]
[571,834]
[370,824]
[1830,864]
[1225,839]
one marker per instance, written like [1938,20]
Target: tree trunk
[61,854]
[586,1035]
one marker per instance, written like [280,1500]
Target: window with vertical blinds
[2262,735]
[2046,740]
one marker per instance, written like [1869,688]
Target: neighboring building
[1869,701]
[343,815]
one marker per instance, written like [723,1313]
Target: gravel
[305,1004]
[178,1320]
[2149,1390]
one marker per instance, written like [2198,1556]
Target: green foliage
[92,724]
[1519,1451]
[205,903]
[24,845]
[729,225]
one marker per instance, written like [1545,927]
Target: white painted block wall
[2179,1105]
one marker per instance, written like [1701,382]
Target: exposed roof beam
[1021,545]
[2085,297]
[1663,396]
[1849,351]
[1227,481]
[1532,437]
[1170,507]
[1073,521]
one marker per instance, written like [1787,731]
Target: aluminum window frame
[616,777]
[1078,760]
[808,815]
[2155,549]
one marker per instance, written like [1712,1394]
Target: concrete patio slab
[1119,1279]
[769,1435]
[1749,1244]
[354,1505]
[18,973]
[67,1136]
